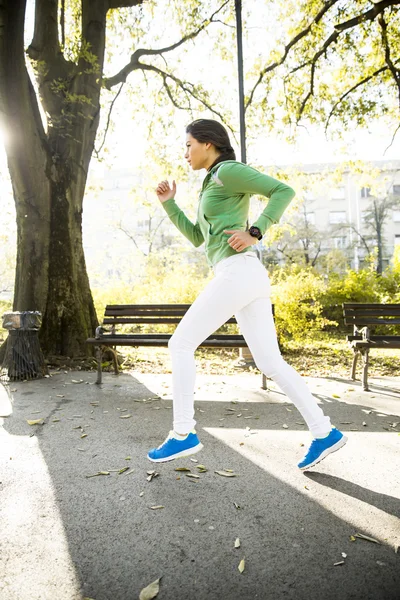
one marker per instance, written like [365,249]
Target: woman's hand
[240,240]
[165,192]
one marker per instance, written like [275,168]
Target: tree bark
[48,172]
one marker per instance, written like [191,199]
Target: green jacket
[224,204]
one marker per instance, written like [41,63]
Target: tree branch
[391,143]
[108,120]
[357,85]
[45,42]
[187,87]
[369,15]
[395,72]
[134,62]
[124,3]
[288,47]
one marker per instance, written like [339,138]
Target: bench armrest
[364,332]
[100,330]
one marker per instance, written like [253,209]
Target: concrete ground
[68,533]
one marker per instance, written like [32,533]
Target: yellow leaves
[237,543]
[242,565]
[35,422]
[125,416]
[151,591]
[157,507]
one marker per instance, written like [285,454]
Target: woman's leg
[257,326]
[222,297]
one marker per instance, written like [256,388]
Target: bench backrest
[115,314]
[362,315]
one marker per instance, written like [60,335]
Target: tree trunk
[48,173]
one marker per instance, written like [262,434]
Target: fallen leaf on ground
[242,565]
[335,396]
[338,563]
[35,422]
[157,507]
[182,469]
[366,537]
[344,555]
[99,473]
[225,474]
[192,475]
[194,460]
[123,470]
[76,381]
[151,591]
[237,543]
[125,416]
[285,426]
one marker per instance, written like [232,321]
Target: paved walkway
[68,536]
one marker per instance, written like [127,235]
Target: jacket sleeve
[242,179]
[186,227]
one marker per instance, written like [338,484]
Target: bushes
[296,294]
[306,302]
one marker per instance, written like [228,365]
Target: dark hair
[208,130]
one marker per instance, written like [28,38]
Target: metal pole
[238,10]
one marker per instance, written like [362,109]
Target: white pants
[241,287]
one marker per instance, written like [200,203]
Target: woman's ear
[208,145]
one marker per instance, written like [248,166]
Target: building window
[365,192]
[396,190]
[337,216]
[338,193]
[339,242]
[310,218]
[396,216]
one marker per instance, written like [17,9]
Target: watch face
[255,232]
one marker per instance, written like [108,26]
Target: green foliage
[296,296]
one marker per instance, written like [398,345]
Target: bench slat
[148,320]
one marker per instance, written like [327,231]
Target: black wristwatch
[255,232]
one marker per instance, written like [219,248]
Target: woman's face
[197,153]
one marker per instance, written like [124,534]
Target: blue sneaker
[322,447]
[176,447]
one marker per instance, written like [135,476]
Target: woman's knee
[270,365]
[176,343]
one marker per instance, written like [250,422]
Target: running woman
[241,287]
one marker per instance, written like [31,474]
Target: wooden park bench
[365,318]
[150,314]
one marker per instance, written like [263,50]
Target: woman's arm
[242,179]
[186,227]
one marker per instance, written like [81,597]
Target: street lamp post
[239,38]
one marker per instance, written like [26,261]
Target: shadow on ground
[70,536]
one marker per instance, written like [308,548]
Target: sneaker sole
[187,452]
[326,452]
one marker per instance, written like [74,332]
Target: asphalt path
[69,533]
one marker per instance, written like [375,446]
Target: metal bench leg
[99,356]
[115,360]
[365,357]
[264,382]
[354,365]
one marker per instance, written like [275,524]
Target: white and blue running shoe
[321,447]
[176,447]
